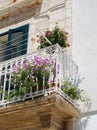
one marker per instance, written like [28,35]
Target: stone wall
[42,16]
[4,3]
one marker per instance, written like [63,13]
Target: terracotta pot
[53,84]
[13,1]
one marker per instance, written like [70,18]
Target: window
[13,43]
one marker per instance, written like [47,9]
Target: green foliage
[71,88]
[40,74]
[55,36]
[30,75]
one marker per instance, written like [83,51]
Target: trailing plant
[72,89]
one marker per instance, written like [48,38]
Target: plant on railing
[29,76]
[56,35]
[71,88]
[41,70]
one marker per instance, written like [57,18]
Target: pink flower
[66,33]
[64,38]
[48,34]
[39,40]
[68,45]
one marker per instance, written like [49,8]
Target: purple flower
[15,69]
[45,61]
[52,62]
[25,61]
[38,61]
[25,66]
[51,81]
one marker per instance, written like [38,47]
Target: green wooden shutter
[3,46]
[25,38]
[17,41]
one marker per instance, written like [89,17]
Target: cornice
[18,7]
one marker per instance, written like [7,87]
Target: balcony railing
[68,69]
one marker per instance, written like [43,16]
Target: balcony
[43,103]
[68,69]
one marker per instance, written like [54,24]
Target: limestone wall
[42,16]
[4,3]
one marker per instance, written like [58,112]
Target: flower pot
[53,84]
[13,1]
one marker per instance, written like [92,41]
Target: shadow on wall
[82,123]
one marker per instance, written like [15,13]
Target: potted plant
[31,75]
[71,88]
[22,79]
[41,71]
[56,35]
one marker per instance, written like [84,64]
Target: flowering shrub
[30,75]
[55,36]
[71,88]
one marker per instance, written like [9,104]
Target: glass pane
[3,47]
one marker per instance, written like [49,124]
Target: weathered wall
[43,16]
[4,3]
